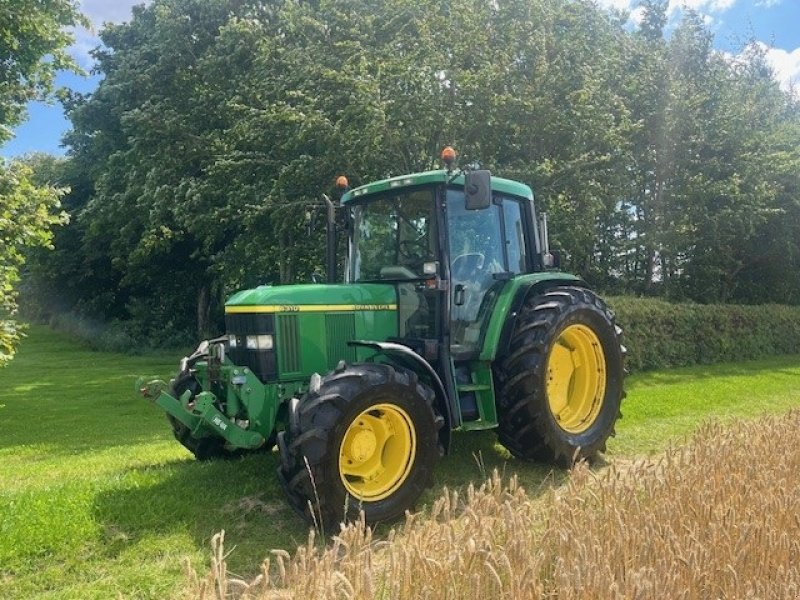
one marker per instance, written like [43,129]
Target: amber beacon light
[448,156]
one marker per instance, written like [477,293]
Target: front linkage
[237,412]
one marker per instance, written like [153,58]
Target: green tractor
[451,315]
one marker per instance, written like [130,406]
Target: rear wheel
[364,437]
[560,385]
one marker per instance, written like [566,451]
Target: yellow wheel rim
[576,378]
[377,452]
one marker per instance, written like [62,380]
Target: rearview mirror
[477,190]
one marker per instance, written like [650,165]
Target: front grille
[249,323]
[261,362]
[288,344]
[340,329]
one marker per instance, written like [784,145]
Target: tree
[745,240]
[33,39]
[27,214]
[195,164]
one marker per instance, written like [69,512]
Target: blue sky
[775,23]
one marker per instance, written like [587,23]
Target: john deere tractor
[450,315]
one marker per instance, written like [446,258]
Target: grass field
[98,501]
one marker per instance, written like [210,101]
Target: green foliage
[27,214]
[667,169]
[33,38]
[659,334]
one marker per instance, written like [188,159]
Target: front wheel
[364,437]
[560,384]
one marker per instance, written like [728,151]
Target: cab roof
[499,184]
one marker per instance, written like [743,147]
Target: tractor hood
[314,298]
[286,333]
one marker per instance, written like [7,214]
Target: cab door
[486,249]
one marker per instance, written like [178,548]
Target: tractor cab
[449,256]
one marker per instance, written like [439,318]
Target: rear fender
[501,326]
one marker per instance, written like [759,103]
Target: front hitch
[150,389]
[200,412]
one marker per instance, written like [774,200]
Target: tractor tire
[559,386]
[204,448]
[208,448]
[364,437]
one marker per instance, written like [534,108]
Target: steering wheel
[414,249]
[465,265]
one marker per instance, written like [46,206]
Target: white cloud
[637,16]
[709,10]
[785,64]
[85,42]
[767,3]
[701,6]
[617,4]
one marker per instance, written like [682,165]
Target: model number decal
[219,422]
[298,308]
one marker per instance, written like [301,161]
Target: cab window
[393,237]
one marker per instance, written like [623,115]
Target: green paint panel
[288,344]
[376,325]
[314,322]
[483,386]
[505,300]
[499,184]
[339,329]
[291,296]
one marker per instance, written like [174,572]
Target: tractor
[452,314]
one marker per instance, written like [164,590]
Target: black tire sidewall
[413,403]
[603,328]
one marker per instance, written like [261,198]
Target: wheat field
[716,518]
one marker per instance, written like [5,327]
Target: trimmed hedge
[660,334]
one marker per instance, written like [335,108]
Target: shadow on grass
[243,497]
[198,499]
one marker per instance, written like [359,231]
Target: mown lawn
[98,501]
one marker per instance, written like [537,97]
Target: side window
[515,235]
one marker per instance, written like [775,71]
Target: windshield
[393,237]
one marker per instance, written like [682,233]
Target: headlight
[232,341]
[259,342]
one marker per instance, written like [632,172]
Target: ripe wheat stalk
[718,518]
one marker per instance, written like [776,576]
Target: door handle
[459,294]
